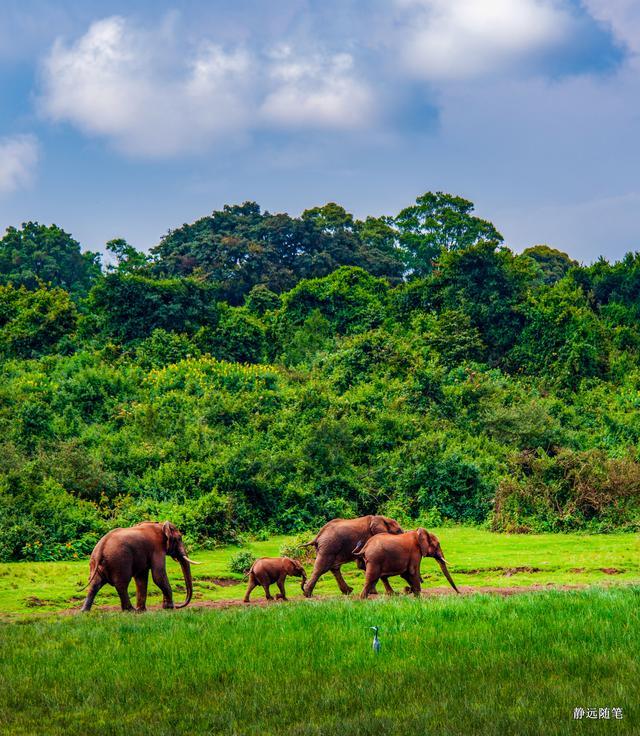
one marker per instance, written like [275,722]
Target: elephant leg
[91,594]
[142,582]
[342,583]
[369,587]
[414,583]
[160,578]
[387,588]
[280,583]
[267,592]
[122,586]
[319,568]
[252,584]
[372,577]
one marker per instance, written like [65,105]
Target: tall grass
[481,665]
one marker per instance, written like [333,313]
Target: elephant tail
[313,543]
[97,571]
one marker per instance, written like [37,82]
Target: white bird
[376,641]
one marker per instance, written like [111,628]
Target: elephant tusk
[193,562]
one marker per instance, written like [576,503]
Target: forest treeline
[264,373]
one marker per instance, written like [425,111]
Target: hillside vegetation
[262,373]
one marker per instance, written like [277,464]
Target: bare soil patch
[465,590]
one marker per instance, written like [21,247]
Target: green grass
[480,665]
[478,558]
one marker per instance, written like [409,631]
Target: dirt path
[465,590]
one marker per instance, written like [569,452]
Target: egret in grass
[376,641]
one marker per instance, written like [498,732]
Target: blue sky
[125,119]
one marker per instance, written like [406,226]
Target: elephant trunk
[445,570]
[303,582]
[186,571]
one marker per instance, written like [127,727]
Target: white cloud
[458,39]
[622,16]
[18,160]
[148,95]
[132,87]
[316,91]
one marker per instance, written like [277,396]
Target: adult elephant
[132,552]
[336,541]
[386,555]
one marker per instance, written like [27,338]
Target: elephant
[131,552]
[336,541]
[269,570]
[385,555]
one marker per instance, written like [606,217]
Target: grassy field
[454,665]
[478,558]
[449,665]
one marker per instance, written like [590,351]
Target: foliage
[573,490]
[241,562]
[437,223]
[240,247]
[158,396]
[33,323]
[350,299]
[294,549]
[553,263]
[128,307]
[128,259]
[39,254]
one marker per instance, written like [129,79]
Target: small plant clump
[241,562]
[294,548]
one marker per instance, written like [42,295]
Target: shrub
[294,549]
[573,490]
[241,562]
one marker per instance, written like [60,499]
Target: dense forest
[257,372]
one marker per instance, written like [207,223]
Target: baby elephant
[269,570]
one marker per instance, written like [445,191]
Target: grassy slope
[474,554]
[482,665]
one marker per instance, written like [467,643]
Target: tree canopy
[36,254]
[262,372]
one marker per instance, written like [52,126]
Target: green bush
[293,548]
[241,562]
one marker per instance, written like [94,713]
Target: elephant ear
[169,530]
[377,525]
[424,542]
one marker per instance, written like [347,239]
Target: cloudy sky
[125,119]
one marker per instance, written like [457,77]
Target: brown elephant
[336,541]
[128,553]
[269,570]
[385,555]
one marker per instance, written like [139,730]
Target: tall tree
[37,254]
[128,259]
[553,264]
[437,223]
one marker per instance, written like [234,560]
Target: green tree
[350,298]
[33,322]
[237,337]
[240,247]
[488,284]
[261,299]
[37,254]
[128,259]
[562,338]
[126,307]
[553,264]
[437,223]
